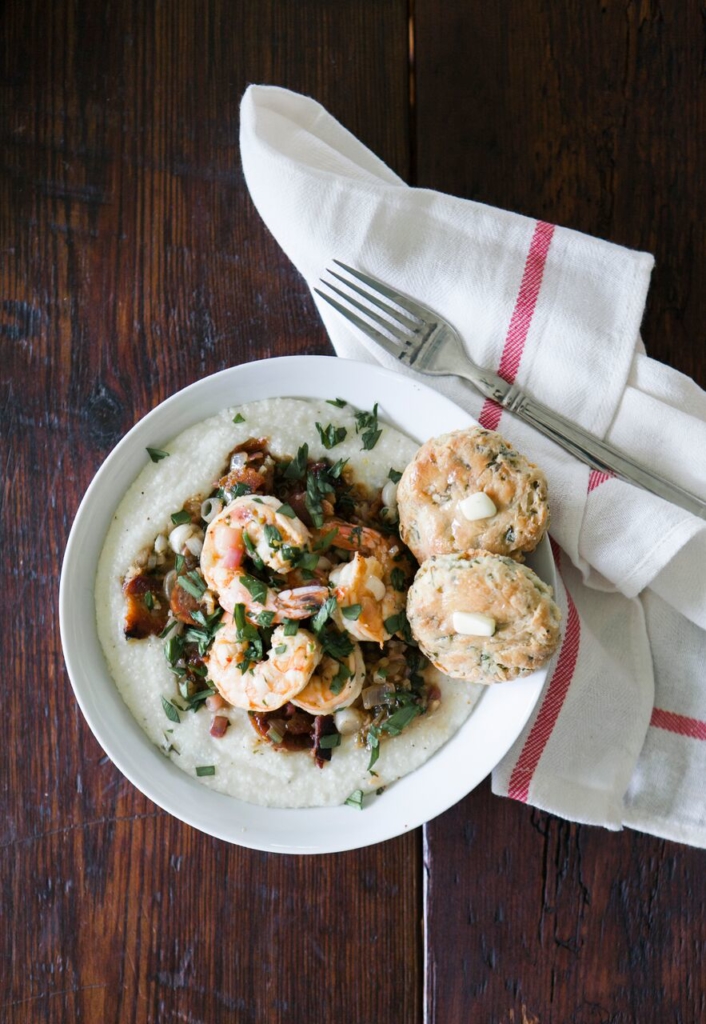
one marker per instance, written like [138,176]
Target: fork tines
[400,323]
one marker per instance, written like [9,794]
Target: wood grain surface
[131,264]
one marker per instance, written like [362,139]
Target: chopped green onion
[193,583]
[149,600]
[333,739]
[395,623]
[286,510]
[352,611]
[394,476]
[280,649]
[265,619]
[324,614]
[401,719]
[338,402]
[205,769]
[355,799]
[156,454]
[238,418]
[340,679]
[256,587]
[297,467]
[397,579]
[291,627]
[367,422]
[178,518]
[324,543]
[273,536]
[170,710]
[273,735]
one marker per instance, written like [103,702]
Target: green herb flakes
[330,741]
[156,454]
[352,611]
[281,649]
[238,418]
[205,769]
[170,710]
[324,614]
[394,476]
[338,402]
[331,435]
[340,679]
[397,579]
[291,627]
[193,583]
[179,518]
[297,467]
[286,510]
[366,424]
[149,600]
[255,587]
[273,735]
[355,799]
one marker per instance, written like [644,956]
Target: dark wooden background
[132,263]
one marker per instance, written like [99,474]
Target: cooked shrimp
[471,489]
[318,696]
[265,685]
[293,603]
[376,580]
[250,525]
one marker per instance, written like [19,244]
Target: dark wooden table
[133,263]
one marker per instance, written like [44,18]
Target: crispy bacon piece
[299,730]
[182,604]
[218,726]
[141,621]
[258,471]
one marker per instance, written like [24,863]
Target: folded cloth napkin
[619,733]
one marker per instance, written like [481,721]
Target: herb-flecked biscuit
[521,605]
[449,469]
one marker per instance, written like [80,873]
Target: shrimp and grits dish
[299,605]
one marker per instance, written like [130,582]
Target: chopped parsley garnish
[156,454]
[401,719]
[331,435]
[205,769]
[340,679]
[333,739]
[373,745]
[179,518]
[280,649]
[203,634]
[149,600]
[352,611]
[398,624]
[170,710]
[297,467]
[394,476]
[179,561]
[291,627]
[338,645]
[265,619]
[252,550]
[273,536]
[238,418]
[324,614]
[355,799]
[193,583]
[325,542]
[256,588]
[397,579]
[338,402]
[245,631]
[286,510]
[366,424]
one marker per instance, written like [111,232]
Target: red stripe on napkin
[596,477]
[518,787]
[680,724]
[521,317]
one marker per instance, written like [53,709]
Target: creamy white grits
[246,766]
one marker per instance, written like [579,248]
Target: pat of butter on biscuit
[473,624]
[478,506]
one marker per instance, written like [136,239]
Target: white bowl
[453,771]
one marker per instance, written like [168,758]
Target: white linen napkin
[619,733]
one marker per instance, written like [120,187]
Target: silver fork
[425,342]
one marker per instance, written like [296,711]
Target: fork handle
[597,453]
